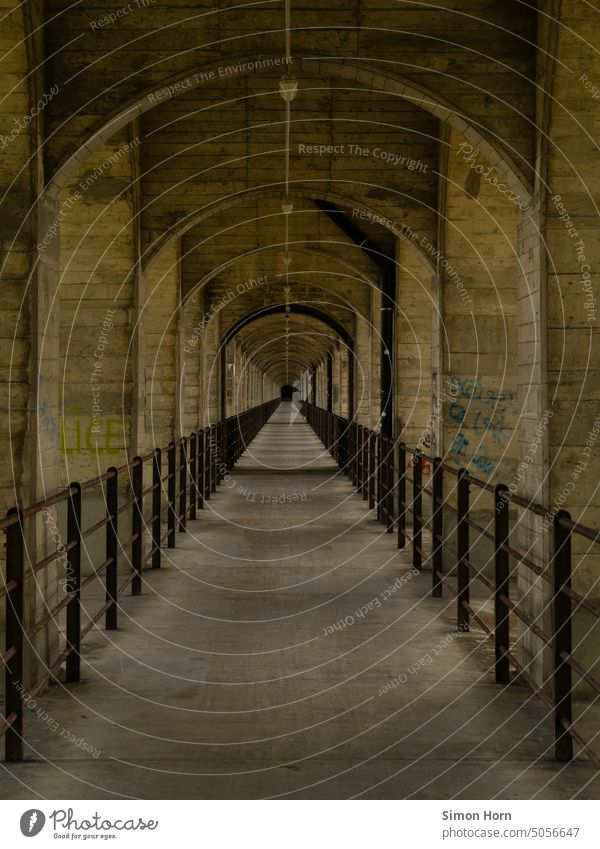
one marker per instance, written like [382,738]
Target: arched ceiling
[104,67]
[263,342]
[197,87]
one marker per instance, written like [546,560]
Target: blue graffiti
[459,444]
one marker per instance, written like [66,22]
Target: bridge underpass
[387,212]
[287,648]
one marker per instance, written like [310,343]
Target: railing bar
[582,530]
[8,588]
[479,574]
[128,542]
[95,481]
[127,580]
[39,686]
[527,678]
[8,655]
[35,629]
[6,723]
[583,744]
[526,619]
[40,505]
[488,487]
[95,527]
[481,530]
[526,562]
[583,673]
[589,605]
[446,580]
[41,564]
[126,506]
[96,573]
[152,551]
[479,621]
[93,621]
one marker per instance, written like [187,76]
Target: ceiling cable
[288,31]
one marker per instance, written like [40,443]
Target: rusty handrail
[389,468]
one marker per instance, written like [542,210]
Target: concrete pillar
[479,272]
[413,348]
[558,322]
[163,344]
[363,370]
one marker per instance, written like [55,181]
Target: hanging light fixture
[288,87]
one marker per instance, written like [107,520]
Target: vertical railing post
[137,525]
[437,528]
[389,485]
[14,667]
[382,474]
[171,493]
[362,463]
[375,469]
[156,507]
[562,637]
[112,547]
[355,454]
[462,545]
[182,485]
[370,442]
[201,461]
[213,458]
[221,458]
[193,476]
[501,586]
[417,510]
[401,495]
[345,446]
[73,584]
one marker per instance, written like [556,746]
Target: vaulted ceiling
[196,85]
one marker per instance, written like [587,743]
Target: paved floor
[228,679]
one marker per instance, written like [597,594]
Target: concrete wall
[18,231]
[97,317]
[413,349]
[479,278]
[162,347]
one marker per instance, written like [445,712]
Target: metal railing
[195,467]
[378,467]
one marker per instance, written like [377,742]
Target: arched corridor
[287,647]
[300,439]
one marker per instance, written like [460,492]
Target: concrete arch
[368,75]
[185,224]
[263,357]
[257,341]
[355,273]
[297,309]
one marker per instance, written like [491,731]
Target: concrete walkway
[228,679]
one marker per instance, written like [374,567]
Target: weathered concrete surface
[223,681]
